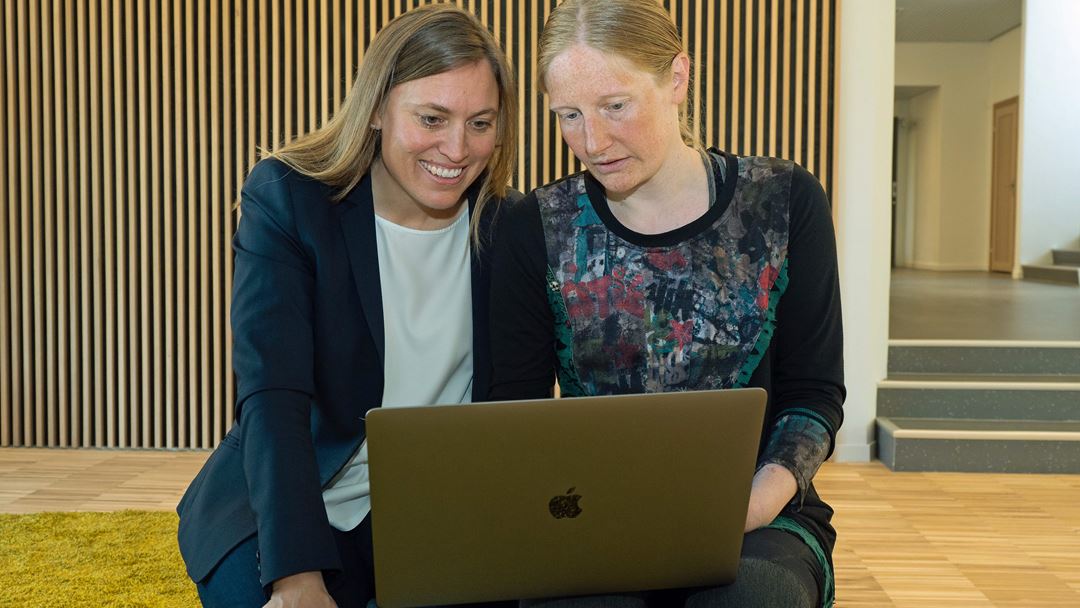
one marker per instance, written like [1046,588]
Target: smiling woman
[438,134]
[353,272]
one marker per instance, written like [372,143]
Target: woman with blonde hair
[355,287]
[668,267]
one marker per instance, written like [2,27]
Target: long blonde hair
[639,31]
[425,41]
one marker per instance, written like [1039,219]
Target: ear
[680,77]
[376,120]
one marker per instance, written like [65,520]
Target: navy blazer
[308,344]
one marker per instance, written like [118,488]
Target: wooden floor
[905,539]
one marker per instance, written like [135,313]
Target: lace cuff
[800,445]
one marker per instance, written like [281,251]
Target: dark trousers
[234,583]
[776,570]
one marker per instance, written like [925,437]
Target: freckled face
[438,134]
[619,120]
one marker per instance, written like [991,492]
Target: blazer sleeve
[273,356]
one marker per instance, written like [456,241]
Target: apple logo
[565,505]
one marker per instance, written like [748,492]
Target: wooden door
[1003,186]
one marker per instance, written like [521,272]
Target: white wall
[1004,66]
[864,144]
[1049,199]
[953,229]
[925,134]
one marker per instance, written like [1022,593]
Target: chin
[444,202]
[616,184]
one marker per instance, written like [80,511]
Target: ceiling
[955,20]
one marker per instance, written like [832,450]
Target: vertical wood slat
[6,188]
[811,93]
[164,297]
[108,222]
[189,276]
[212,345]
[85,427]
[223,132]
[96,220]
[138,120]
[47,421]
[130,317]
[175,355]
[148,183]
[118,407]
[21,271]
[201,280]
[71,400]
[32,246]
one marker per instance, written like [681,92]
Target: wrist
[301,579]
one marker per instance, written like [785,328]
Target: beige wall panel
[129,127]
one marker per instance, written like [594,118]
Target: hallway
[928,305]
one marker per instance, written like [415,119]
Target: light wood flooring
[905,539]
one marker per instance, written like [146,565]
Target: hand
[304,590]
[773,487]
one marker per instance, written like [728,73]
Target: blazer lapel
[358,226]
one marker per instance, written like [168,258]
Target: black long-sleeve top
[746,295]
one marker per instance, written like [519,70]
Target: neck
[675,196]
[395,205]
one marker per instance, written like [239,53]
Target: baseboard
[855,452]
[952,267]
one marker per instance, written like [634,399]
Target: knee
[760,583]
[598,601]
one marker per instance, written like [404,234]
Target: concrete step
[977,357]
[1066,257]
[992,396]
[1063,275]
[983,446]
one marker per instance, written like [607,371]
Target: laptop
[560,497]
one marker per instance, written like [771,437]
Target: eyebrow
[445,110]
[603,99]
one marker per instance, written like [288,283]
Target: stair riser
[1064,275]
[979,456]
[983,360]
[1066,257]
[979,403]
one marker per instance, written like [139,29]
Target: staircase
[1064,270]
[980,406]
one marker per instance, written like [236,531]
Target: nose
[455,146]
[596,137]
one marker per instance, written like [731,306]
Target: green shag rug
[125,559]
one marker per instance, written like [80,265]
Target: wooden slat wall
[129,125]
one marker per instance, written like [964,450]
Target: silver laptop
[560,497]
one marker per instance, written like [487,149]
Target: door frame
[1014,103]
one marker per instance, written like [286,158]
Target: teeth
[441,172]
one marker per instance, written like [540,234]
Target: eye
[617,106]
[569,116]
[481,125]
[431,121]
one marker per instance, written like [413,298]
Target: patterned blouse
[745,295]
